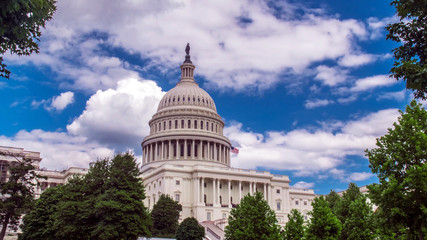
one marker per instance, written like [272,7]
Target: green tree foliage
[17,193]
[294,228]
[165,215]
[400,164]
[20,23]
[411,57]
[323,223]
[104,204]
[39,222]
[190,229]
[359,225]
[252,219]
[333,200]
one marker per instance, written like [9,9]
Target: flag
[234,150]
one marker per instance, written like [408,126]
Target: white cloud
[228,53]
[359,176]
[309,104]
[331,76]
[398,96]
[119,117]
[377,26]
[62,101]
[372,82]
[302,184]
[56,103]
[309,152]
[58,150]
[352,60]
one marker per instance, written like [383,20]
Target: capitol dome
[186,126]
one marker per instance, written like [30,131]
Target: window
[209,216]
[224,215]
[182,123]
[160,184]
[231,186]
[195,124]
[201,125]
[212,127]
[189,124]
[207,126]
[164,125]
[205,185]
[204,198]
[278,206]
[278,191]
[154,185]
[305,203]
[176,124]
[170,124]
[177,197]
[296,202]
[220,199]
[178,182]
[220,186]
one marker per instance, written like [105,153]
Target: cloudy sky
[302,86]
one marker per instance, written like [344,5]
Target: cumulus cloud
[302,184]
[56,103]
[309,104]
[309,152]
[58,150]
[372,82]
[119,117]
[331,76]
[352,60]
[230,52]
[359,176]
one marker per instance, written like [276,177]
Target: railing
[213,233]
[224,205]
[301,190]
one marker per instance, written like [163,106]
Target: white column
[185,149]
[178,149]
[250,188]
[170,153]
[203,190]
[199,150]
[193,147]
[208,152]
[219,190]
[265,193]
[151,152]
[156,150]
[215,152]
[229,193]
[269,195]
[213,191]
[162,153]
[197,186]
[240,190]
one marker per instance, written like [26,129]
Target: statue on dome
[187,49]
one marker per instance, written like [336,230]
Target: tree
[165,215]
[38,224]
[104,204]
[323,223]
[294,228]
[411,57]
[17,193]
[359,224]
[190,229]
[119,209]
[20,23]
[400,164]
[252,219]
[333,200]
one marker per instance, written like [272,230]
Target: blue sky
[302,86]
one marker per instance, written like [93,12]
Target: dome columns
[186,149]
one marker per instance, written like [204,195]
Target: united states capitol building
[187,157]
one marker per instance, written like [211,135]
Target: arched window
[195,124]
[164,125]
[189,124]
[170,124]
[155,127]
[201,124]
[207,126]
[188,150]
[176,124]
[182,123]
[182,150]
[212,127]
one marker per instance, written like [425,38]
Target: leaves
[400,164]
[165,215]
[190,229]
[252,219]
[411,57]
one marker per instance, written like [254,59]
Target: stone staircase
[212,231]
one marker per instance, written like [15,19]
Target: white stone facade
[187,157]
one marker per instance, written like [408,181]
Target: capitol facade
[187,157]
